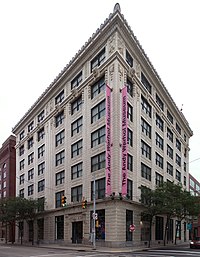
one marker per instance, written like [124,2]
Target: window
[159,141]
[21,150]
[21,164]
[130,162]
[146,107]
[159,179]
[30,143]
[41,151]
[99,59]
[129,137]
[145,83]
[60,97]
[31,126]
[185,138]
[41,168]
[77,170]
[60,157]
[59,118]
[178,160]
[159,122]
[178,144]
[129,112]
[178,175]
[21,193]
[30,158]
[145,172]
[98,87]
[169,135]
[129,59]
[184,181]
[76,194]
[129,87]
[170,117]
[159,102]
[21,179]
[98,111]
[130,189]
[170,152]
[30,190]
[146,128]
[4,184]
[159,160]
[30,174]
[76,148]
[60,177]
[76,105]
[146,150]
[185,166]
[76,126]
[98,162]
[159,228]
[40,134]
[169,169]
[41,202]
[76,81]
[60,137]
[98,137]
[178,128]
[58,199]
[59,222]
[41,116]
[41,185]
[99,189]
[21,135]
[144,199]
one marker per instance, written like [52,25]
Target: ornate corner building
[106,126]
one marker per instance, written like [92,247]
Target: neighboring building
[106,117]
[194,188]
[8,179]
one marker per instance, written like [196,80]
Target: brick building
[8,179]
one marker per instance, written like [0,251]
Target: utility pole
[94,213]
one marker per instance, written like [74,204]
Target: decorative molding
[111,44]
[120,71]
[111,71]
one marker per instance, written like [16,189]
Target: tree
[171,200]
[16,210]
[150,201]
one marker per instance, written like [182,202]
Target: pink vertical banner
[108,140]
[124,140]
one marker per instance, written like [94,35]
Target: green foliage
[18,209]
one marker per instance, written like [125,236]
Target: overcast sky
[39,37]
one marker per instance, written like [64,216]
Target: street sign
[132,228]
[94,216]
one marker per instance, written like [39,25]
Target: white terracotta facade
[112,45]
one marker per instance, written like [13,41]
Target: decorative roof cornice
[116,12]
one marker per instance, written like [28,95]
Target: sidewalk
[86,248]
[102,249]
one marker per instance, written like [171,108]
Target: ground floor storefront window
[59,222]
[129,221]
[99,224]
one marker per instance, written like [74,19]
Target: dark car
[195,243]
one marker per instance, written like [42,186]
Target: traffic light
[84,204]
[63,201]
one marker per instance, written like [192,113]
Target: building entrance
[77,232]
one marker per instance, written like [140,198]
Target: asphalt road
[24,251]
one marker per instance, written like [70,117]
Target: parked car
[195,243]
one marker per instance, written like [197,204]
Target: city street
[28,251]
